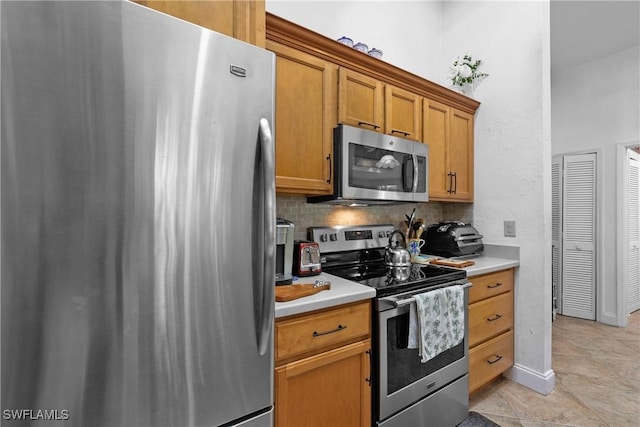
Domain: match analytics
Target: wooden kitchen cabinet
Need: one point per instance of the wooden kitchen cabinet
(370, 104)
(402, 113)
(490, 327)
(305, 100)
(323, 372)
(358, 90)
(449, 133)
(241, 19)
(360, 100)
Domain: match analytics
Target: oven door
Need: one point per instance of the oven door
(402, 378)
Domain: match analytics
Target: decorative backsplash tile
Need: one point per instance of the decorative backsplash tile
(295, 208)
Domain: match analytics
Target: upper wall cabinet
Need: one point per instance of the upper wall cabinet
(321, 83)
(402, 113)
(449, 134)
(241, 19)
(360, 100)
(305, 102)
(368, 103)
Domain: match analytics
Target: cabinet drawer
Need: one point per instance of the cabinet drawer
(489, 360)
(490, 317)
(489, 285)
(316, 331)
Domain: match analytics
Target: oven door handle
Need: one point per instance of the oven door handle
(409, 300)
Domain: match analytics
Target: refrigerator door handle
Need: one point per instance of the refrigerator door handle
(266, 305)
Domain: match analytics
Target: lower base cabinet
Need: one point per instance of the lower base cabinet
(329, 389)
(489, 360)
(323, 368)
(490, 327)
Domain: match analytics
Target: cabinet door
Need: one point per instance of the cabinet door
(461, 154)
(360, 101)
(244, 20)
(304, 123)
(436, 135)
(329, 389)
(402, 113)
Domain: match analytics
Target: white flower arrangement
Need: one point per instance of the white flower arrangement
(465, 71)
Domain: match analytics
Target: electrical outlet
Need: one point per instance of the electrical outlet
(509, 229)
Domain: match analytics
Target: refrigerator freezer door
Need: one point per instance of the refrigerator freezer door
(133, 163)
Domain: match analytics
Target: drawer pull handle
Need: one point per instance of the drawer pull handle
(401, 132)
(373, 125)
(338, 329)
(491, 319)
(497, 285)
(496, 360)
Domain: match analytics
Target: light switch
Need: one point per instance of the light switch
(509, 229)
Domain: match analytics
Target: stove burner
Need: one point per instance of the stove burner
(357, 253)
(385, 279)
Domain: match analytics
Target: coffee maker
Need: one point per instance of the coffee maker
(285, 230)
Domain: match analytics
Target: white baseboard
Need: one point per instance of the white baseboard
(611, 319)
(541, 383)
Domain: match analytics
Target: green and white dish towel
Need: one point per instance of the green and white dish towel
(437, 322)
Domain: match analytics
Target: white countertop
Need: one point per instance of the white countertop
(342, 292)
(486, 264)
(345, 291)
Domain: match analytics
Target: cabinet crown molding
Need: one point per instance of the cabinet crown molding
(290, 34)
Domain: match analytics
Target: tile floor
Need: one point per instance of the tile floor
(597, 370)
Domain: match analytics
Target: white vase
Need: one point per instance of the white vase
(466, 90)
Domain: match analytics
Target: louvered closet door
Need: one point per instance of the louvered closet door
(633, 299)
(556, 234)
(579, 231)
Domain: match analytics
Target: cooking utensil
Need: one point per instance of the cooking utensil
(413, 214)
(416, 227)
(396, 255)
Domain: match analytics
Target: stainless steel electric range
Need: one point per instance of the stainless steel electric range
(405, 390)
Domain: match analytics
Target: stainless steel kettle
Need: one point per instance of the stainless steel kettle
(396, 255)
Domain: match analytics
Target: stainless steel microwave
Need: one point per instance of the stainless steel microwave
(372, 168)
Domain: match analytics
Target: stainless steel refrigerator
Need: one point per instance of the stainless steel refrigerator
(138, 219)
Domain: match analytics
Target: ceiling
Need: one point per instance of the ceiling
(584, 30)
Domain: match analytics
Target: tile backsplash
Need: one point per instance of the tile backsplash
(295, 208)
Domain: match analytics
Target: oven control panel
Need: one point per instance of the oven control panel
(351, 237)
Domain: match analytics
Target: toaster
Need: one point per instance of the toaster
(306, 258)
(451, 239)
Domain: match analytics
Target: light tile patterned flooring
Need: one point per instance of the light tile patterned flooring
(597, 370)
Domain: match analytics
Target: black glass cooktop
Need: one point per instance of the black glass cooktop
(383, 278)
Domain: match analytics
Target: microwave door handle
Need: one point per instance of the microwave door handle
(415, 173)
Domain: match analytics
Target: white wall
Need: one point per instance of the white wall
(408, 32)
(595, 107)
(512, 129)
(513, 156)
